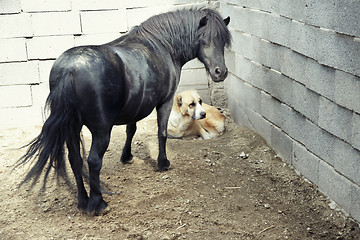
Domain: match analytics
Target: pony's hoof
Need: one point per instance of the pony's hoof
(127, 160)
(164, 165)
(98, 208)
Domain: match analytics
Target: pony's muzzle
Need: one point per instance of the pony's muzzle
(220, 74)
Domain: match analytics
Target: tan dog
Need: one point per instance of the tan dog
(190, 117)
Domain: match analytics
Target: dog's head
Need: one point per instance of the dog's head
(189, 103)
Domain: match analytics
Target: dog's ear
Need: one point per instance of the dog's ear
(179, 100)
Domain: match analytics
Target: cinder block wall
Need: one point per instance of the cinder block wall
(34, 33)
(295, 79)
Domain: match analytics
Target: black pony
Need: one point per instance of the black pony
(121, 82)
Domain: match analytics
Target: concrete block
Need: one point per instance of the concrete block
(318, 141)
(335, 186)
(19, 73)
(15, 25)
(340, 16)
(46, 5)
(48, 47)
(335, 119)
(252, 97)
(103, 21)
(305, 162)
(271, 109)
(238, 113)
(15, 96)
(355, 131)
(62, 23)
(306, 101)
(347, 89)
(320, 78)
(337, 50)
(260, 125)
(193, 77)
(355, 202)
(13, 50)
(293, 123)
(293, 65)
(282, 144)
(235, 89)
(278, 85)
(303, 39)
(347, 161)
(10, 7)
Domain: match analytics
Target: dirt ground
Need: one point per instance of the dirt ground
(211, 191)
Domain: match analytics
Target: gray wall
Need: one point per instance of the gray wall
(34, 33)
(295, 68)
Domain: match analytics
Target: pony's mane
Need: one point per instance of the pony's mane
(179, 30)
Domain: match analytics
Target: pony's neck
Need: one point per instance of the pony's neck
(176, 33)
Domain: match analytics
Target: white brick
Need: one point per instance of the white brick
(97, 5)
(15, 96)
(39, 94)
(17, 25)
(55, 23)
(46, 5)
(48, 47)
(12, 50)
(103, 21)
(139, 15)
(12, 6)
(193, 77)
(19, 73)
(195, 63)
(44, 70)
(18, 117)
(96, 39)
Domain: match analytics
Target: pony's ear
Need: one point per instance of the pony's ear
(203, 21)
(227, 20)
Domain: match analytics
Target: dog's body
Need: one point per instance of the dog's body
(190, 117)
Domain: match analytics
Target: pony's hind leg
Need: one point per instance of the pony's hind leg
(126, 156)
(76, 163)
(100, 142)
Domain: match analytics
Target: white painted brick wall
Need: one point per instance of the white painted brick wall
(13, 50)
(34, 33)
(304, 60)
(62, 23)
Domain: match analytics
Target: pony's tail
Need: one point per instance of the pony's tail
(63, 125)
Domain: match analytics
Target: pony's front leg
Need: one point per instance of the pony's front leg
(163, 113)
(100, 143)
(126, 156)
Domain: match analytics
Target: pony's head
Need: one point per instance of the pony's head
(213, 36)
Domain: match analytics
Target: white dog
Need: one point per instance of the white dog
(190, 117)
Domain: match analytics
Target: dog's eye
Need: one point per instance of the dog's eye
(192, 104)
(200, 102)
